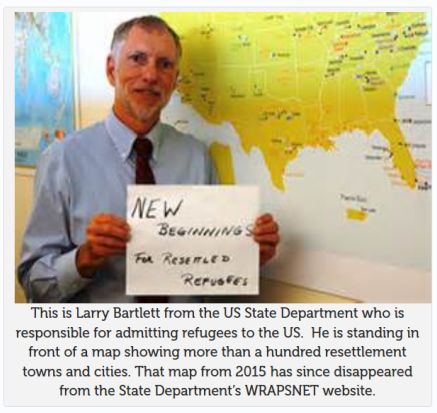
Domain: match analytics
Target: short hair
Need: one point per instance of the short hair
(146, 22)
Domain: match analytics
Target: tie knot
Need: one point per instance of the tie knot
(143, 147)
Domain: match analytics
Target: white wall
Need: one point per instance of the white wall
(93, 35)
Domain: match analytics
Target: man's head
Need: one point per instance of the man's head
(143, 68)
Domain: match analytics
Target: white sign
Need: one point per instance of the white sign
(192, 240)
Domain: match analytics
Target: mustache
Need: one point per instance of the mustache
(148, 89)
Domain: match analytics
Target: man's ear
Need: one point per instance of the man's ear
(110, 68)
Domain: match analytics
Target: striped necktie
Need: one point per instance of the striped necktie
(143, 172)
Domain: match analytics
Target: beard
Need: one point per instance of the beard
(140, 106)
(143, 111)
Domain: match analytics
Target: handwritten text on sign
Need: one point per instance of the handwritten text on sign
(192, 240)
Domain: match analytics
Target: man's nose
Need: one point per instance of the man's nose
(150, 72)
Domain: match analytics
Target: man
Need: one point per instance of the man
(75, 242)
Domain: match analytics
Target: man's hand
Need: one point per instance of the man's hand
(106, 236)
(266, 234)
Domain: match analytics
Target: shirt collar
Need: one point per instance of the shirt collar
(123, 137)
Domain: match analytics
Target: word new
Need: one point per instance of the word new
(145, 208)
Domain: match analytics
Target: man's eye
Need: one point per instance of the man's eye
(167, 64)
(138, 58)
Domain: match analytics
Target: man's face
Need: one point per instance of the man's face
(143, 71)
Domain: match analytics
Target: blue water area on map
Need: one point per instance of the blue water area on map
(44, 88)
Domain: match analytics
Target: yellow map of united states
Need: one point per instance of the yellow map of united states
(287, 81)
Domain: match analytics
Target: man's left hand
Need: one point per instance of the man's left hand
(266, 234)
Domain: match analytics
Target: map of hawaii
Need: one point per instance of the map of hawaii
(288, 81)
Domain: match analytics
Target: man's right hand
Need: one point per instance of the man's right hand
(106, 236)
